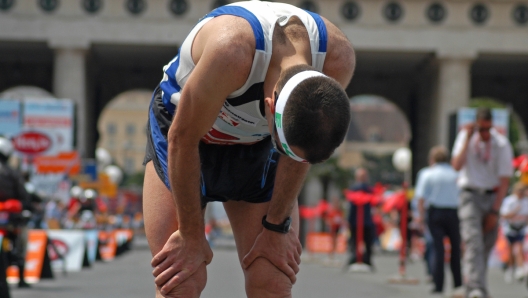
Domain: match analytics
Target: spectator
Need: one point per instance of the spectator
(12, 187)
(514, 212)
(361, 184)
(56, 213)
(419, 223)
(437, 186)
(484, 158)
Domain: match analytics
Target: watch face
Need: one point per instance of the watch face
(287, 224)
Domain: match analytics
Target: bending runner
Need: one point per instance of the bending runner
(254, 96)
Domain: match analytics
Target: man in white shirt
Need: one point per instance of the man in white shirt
(484, 159)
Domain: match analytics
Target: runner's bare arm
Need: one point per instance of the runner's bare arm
(340, 61)
(282, 250)
(339, 64)
(223, 66)
(288, 183)
(223, 53)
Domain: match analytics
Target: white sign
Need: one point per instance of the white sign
(68, 244)
(55, 118)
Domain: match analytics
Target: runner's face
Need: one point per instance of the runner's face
(483, 128)
(272, 102)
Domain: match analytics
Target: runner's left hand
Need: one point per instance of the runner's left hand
(282, 250)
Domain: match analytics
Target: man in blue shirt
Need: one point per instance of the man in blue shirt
(437, 189)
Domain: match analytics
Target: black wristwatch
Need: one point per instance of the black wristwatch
(283, 228)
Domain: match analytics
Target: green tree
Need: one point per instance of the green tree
(135, 179)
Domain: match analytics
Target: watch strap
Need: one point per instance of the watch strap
(283, 228)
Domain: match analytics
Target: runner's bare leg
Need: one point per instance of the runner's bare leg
(263, 279)
(160, 218)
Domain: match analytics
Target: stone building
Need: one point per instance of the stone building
(429, 57)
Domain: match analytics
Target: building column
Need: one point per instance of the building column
(453, 89)
(69, 81)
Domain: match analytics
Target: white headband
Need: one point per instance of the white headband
(281, 104)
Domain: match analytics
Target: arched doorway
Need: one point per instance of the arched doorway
(377, 128)
(122, 129)
(22, 92)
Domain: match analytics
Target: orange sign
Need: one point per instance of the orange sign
(107, 245)
(65, 162)
(322, 243)
(36, 248)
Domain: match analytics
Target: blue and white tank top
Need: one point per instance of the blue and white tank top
(240, 120)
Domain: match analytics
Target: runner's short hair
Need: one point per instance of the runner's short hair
(484, 114)
(316, 116)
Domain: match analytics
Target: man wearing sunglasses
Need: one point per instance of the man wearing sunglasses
(254, 96)
(484, 158)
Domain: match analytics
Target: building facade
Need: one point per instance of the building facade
(122, 128)
(427, 57)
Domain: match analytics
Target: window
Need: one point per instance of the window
(130, 129)
(129, 165)
(111, 129)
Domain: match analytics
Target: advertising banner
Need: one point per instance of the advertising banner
(66, 249)
(501, 118)
(55, 118)
(63, 163)
(10, 123)
(108, 245)
(33, 142)
(36, 249)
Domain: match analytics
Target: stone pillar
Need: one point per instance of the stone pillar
(69, 81)
(453, 88)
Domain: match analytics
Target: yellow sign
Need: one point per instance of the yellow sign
(524, 178)
(103, 186)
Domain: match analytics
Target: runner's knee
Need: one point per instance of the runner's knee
(263, 279)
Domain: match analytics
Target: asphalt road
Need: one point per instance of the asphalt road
(130, 276)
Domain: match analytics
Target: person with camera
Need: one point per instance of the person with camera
(483, 157)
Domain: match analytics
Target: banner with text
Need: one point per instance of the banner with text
(55, 118)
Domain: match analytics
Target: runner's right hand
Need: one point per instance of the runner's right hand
(180, 257)
(470, 128)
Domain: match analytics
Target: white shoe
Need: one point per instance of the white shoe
(508, 276)
(519, 273)
(476, 293)
(459, 292)
(360, 267)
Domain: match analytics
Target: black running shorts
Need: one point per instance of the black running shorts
(228, 172)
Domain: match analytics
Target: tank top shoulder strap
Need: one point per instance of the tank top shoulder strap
(318, 39)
